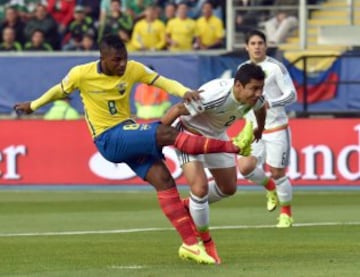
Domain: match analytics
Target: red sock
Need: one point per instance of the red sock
(193, 144)
(174, 210)
(205, 236)
(286, 210)
(270, 185)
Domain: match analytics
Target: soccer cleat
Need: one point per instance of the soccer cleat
(244, 139)
(285, 221)
(272, 200)
(210, 248)
(186, 206)
(195, 252)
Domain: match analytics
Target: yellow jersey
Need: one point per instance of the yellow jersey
(106, 99)
(209, 30)
(181, 31)
(151, 35)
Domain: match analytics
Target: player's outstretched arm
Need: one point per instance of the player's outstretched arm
(51, 95)
(174, 112)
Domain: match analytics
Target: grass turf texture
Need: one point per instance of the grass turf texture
(249, 247)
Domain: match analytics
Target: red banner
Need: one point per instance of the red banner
(325, 152)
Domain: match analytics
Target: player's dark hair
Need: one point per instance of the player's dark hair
(254, 32)
(249, 71)
(112, 41)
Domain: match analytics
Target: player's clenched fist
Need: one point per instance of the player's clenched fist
(23, 108)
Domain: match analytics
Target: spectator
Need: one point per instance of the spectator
(81, 25)
(13, 20)
(9, 43)
(46, 23)
(136, 8)
(92, 8)
(151, 102)
(118, 22)
(282, 24)
(149, 33)
(62, 11)
(26, 8)
(37, 42)
(169, 12)
(88, 43)
(247, 20)
(209, 29)
(62, 110)
(180, 31)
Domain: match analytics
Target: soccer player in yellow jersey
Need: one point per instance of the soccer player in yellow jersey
(180, 31)
(105, 87)
(148, 33)
(209, 29)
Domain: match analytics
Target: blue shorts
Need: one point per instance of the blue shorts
(131, 143)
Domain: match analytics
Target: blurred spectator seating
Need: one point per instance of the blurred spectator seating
(46, 23)
(118, 22)
(282, 23)
(62, 11)
(80, 26)
(26, 8)
(92, 8)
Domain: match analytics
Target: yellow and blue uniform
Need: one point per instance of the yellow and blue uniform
(106, 102)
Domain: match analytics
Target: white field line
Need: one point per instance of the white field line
(137, 230)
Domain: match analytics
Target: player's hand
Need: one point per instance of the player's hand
(192, 95)
(257, 134)
(23, 108)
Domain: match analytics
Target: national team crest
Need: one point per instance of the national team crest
(121, 88)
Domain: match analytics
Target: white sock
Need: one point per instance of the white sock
(199, 210)
(258, 177)
(284, 190)
(214, 193)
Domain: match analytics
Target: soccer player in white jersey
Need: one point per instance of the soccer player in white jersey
(274, 146)
(223, 101)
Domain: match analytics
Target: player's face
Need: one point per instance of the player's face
(114, 62)
(250, 93)
(256, 49)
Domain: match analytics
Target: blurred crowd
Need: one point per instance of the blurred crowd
(78, 25)
(145, 25)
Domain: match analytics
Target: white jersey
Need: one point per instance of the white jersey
(220, 109)
(279, 92)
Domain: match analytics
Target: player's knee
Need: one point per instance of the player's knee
(199, 190)
(229, 188)
(247, 165)
(277, 174)
(166, 135)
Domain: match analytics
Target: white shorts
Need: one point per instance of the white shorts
(273, 148)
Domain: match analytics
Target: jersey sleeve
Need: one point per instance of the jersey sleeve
(286, 86)
(71, 81)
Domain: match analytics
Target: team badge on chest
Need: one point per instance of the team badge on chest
(121, 87)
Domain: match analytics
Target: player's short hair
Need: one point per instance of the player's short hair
(249, 71)
(112, 41)
(254, 32)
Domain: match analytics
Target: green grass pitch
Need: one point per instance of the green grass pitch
(118, 233)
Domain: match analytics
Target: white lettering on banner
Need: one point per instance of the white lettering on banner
(344, 155)
(11, 161)
(311, 153)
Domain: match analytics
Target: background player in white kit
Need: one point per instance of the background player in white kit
(274, 146)
(223, 101)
